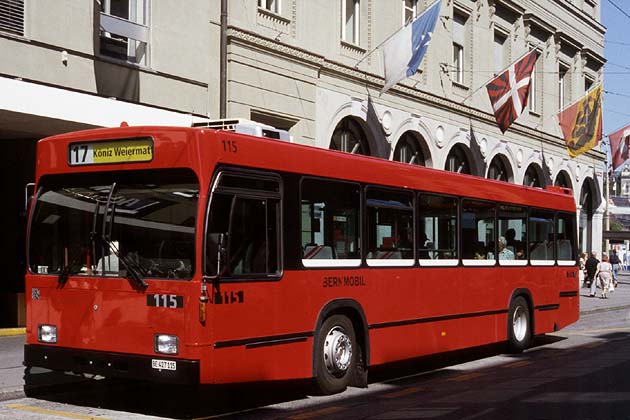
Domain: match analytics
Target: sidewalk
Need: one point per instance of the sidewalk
(619, 299)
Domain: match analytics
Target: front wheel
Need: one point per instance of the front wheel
(519, 325)
(335, 354)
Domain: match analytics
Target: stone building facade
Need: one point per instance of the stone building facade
(305, 66)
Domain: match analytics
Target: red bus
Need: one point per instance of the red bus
(196, 256)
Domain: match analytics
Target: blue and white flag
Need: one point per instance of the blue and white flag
(404, 51)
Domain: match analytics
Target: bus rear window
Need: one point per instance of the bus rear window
(84, 224)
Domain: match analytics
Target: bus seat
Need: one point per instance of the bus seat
(318, 252)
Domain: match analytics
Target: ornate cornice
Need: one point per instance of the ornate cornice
(336, 69)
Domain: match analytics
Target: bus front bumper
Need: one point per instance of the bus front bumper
(118, 365)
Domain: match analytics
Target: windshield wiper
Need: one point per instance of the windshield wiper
(133, 269)
(67, 271)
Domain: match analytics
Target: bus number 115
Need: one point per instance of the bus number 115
(165, 301)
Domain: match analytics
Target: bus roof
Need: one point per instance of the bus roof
(202, 148)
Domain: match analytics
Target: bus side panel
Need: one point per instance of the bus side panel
(254, 337)
(265, 363)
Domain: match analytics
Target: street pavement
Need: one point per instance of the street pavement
(11, 340)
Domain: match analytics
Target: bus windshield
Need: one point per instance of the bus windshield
(115, 224)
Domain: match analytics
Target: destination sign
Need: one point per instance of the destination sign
(115, 151)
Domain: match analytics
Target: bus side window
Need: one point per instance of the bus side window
(437, 236)
(478, 230)
(513, 228)
(246, 209)
(566, 250)
(541, 236)
(330, 227)
(389, 224)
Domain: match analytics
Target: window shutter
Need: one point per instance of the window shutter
(12, 16)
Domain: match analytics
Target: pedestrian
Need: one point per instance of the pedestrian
(605, 275)
(591, 269)
(615, 262)
(582, 272)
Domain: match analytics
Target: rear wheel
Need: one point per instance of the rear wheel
(519, 325)
(335, 355)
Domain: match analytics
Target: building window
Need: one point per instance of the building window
(124, 30)
(410, 10)
(498, 170)
(588, 83)
(533, 177)
(350, 13)
(408, 150)
(271, 5)
(457, 161)
(535, 86)
(563, 86)
(458, 63)
(12, 16)
(459, 40)
(349, 137)
(500, 52)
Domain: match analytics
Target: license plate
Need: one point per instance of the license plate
(163, 364)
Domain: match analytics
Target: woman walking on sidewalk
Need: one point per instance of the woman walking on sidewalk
(605, 273)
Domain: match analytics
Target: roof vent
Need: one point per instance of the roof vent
(239, 125)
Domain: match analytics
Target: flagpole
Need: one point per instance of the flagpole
(411, 19)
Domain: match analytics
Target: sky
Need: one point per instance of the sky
(617, 67)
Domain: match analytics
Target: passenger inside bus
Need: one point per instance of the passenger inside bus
(504, 252)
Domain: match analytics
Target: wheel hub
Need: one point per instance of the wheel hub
(519, 324)
(337, 351)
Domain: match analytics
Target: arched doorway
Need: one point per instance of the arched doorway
(457, 160)
(534, 176)
(409, 150)
(499, 169)
(563, 180)
(350, 137)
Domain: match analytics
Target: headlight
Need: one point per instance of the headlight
(166, 344)
(47, 333)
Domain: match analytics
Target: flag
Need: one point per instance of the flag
(479, 157)
(545, 170)
(581, 123)
(403, 52)
(509, 91)
(374, 122)
(619, 145)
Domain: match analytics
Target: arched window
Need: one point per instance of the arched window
(457, 161)
(498, 170)
(563, 180)
(349, 137)
(533, 176)
(408, 150)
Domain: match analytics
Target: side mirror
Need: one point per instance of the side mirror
(29, 190)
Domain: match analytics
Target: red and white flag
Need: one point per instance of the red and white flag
(619, 146)
(509, 90)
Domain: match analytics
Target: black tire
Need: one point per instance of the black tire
(519, 325)
(333, 374)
